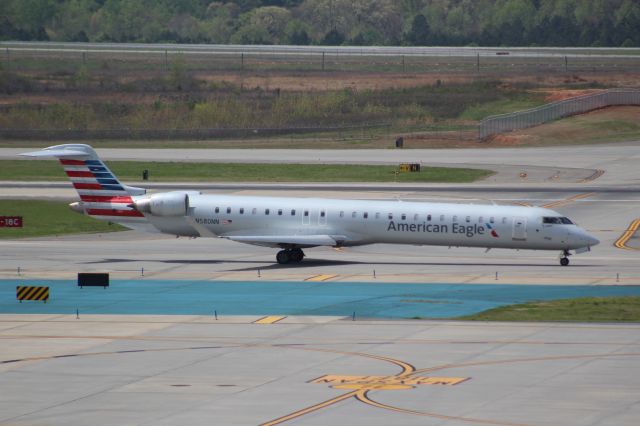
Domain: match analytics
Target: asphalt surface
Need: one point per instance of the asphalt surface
(103, 369)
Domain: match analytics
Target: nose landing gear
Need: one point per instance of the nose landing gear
(289, 255)
(564, 258)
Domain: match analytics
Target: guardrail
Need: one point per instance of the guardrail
(556, 110)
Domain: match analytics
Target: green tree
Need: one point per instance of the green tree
(419, 34)
(333, 38)
(31, 17)
(72, 20)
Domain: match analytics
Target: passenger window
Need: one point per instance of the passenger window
(390, 216)
(293, 212)
(480, 219)
(415, 216)
(279, 212)
(228, 210)
(504, 220)
(306, 213)
(322, 214)
(491, 219)
(441, 218)
(468, 219)
(254, 210)
(241, 210)
(455, 218)
(342, 213)
(353, 214)
(365, 215)
(403, 217)
(377, 215)
(217, 210)
(266, 212)
(428, 218)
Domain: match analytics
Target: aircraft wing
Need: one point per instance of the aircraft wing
(284, 241)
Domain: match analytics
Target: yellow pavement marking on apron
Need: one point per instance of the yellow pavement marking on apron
(621, 242)
(323, 277)
(270, 319)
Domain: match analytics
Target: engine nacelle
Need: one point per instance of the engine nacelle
(175, 203)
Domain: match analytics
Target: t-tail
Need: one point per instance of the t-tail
(102, 195)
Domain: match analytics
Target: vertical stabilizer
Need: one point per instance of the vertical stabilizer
(102, 195)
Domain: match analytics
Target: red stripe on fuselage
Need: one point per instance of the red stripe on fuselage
(87, 185)
(111, 212)
(72, 162)
(106, 199)
(79, 174)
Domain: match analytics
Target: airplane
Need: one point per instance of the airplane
(293, 224)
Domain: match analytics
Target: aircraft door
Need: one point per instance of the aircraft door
(519, 229)
(322, 217)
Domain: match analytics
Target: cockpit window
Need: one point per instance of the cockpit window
(556, 220)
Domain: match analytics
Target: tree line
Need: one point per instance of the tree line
(609, 23)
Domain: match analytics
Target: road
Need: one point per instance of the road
(270, 50)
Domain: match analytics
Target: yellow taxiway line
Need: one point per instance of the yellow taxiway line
(568, 200)
(621, 242)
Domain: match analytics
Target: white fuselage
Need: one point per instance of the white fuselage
(358, 222)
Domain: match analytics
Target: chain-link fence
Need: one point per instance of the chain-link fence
(553, 111)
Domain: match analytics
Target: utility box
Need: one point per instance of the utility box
(90, 279)
(400, 142)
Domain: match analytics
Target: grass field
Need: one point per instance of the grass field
(613, 124)
(25, 170)
(588, 309)
(49, 218)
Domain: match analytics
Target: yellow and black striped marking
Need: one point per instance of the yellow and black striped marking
(32, 293)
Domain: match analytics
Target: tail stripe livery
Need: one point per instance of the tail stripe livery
(102, 196)
(100, 191)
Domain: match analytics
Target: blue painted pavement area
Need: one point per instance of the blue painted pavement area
(367, 300)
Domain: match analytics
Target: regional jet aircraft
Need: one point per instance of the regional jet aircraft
(293, 224)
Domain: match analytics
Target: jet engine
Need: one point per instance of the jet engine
(175, 203)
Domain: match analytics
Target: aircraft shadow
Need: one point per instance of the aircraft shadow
(313, 263)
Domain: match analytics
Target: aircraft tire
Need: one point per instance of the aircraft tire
(297, 255)
(283, 257)
(564, 261)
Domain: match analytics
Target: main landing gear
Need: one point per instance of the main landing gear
(289, 255)
(564, 258)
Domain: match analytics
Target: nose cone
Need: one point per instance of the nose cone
(581, 239)
(593, 241)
